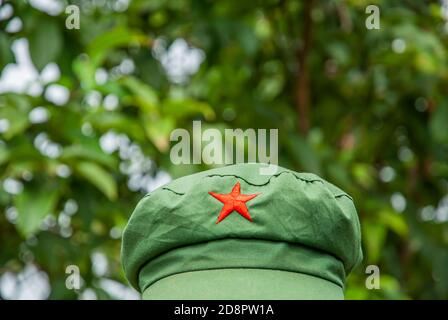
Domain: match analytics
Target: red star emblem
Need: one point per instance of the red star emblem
(234, 201)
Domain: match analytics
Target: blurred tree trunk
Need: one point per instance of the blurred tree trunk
(303, 84)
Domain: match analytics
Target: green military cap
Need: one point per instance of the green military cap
(233, 233)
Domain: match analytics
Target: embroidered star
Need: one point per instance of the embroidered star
(234, 201)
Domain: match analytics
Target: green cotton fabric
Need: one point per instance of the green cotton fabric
(301, 223)
(243, 253)
(243, 284)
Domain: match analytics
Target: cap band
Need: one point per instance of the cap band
(243, 253)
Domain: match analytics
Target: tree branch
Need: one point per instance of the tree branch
(303, 85)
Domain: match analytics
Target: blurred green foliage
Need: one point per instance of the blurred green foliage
(377, 114)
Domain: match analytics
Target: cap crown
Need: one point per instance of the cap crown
(299, 209)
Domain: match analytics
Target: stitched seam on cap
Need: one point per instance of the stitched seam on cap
(245, 180)
(263, 184)
(175, 192)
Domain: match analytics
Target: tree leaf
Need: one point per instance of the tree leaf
(45, 43)
(118, 122)
(158, 131)
(145, 96)
(438, 124)
(17, 121)
(374, 235)
(304, 154)
(85, 71)
(117, 37)
(33, 204)
(78, 152)
(6, 55)
(99, 177)
(394, 221)
(183, 107)
(4, 154)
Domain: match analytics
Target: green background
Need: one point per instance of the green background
(365, 109)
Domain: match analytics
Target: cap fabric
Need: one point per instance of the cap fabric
(231, 233)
